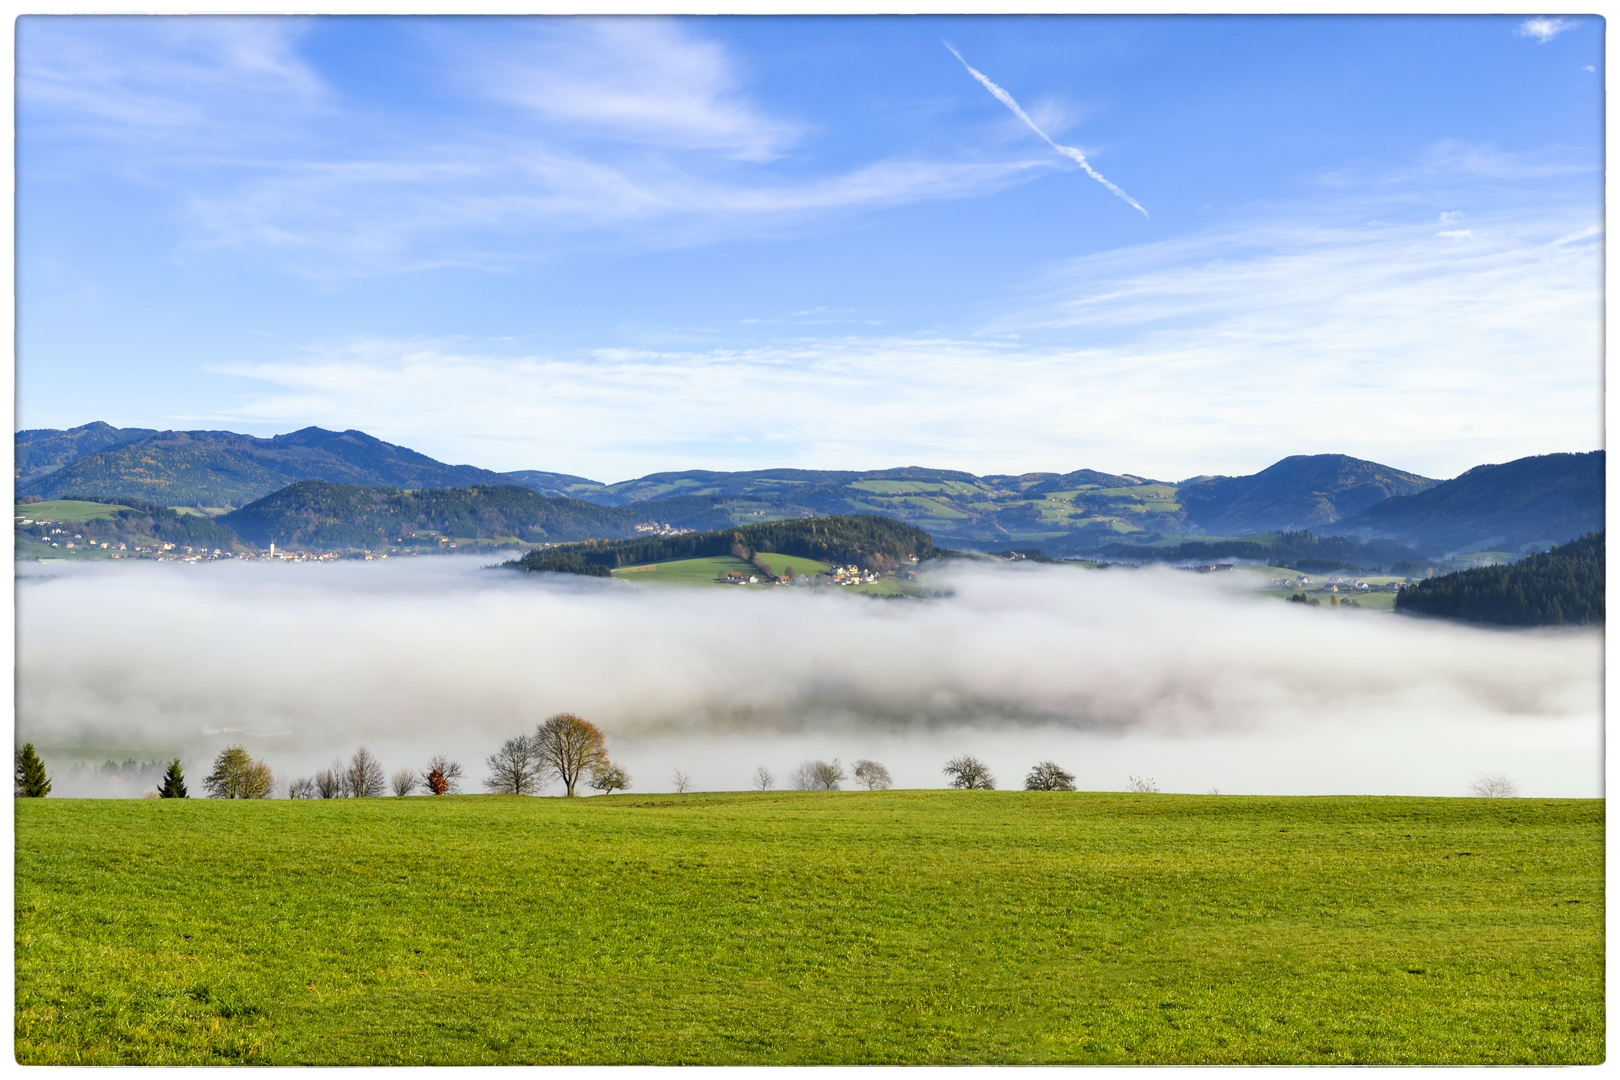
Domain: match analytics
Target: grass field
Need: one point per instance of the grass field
(71, 511)
(778, 563)
(686, 571)
(913, 926)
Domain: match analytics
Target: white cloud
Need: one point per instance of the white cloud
(136, 78)
(1543, 28)
(628, 130)
(1221, 352)
(644, 80)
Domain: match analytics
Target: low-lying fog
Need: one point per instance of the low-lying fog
(1154, 673)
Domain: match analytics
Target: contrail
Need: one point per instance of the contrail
(1067, 151)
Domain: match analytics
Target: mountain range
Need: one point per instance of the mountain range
(1528, 503)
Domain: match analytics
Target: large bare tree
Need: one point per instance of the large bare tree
(365, 775)
(568, 747)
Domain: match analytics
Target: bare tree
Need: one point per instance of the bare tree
(450, 775)
(365, 775)
(967, 771)
(873, 775)
(682, 782)
(611, 779)
(1049, 776)
(1145, 785)
(568, 747)
(330, 783)
(513, 769)
(1494, 786)
(763, 780)
(817, 775)
(238, 776)
(404, 782)
(301, 788)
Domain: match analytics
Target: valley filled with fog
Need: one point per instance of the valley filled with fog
(1154, 673)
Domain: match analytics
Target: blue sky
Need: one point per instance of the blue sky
(616, 246)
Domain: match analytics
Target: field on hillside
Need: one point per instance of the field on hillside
(796, 927)
(71, 511)
(687, 571)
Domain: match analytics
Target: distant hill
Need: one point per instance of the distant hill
(42, 451)
(863, 539)
(1532, 501)
(218, 468)
(319, 515)
(1561, 587)
(1306, 491)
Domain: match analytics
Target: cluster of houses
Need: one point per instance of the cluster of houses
(658, 528)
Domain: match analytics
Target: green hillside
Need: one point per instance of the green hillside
(315, 514)
(1561, 587)
(781, 928)
(864, 540)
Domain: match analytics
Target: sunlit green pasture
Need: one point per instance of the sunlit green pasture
(778, 564)
(687, 571)
(70, 511)
(797, 927)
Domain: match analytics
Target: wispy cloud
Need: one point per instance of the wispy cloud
(1067, 151)
(137, 77)
(544, 132)
(642, 80)
(1544, 28)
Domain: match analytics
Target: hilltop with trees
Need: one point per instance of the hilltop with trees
(866, 540)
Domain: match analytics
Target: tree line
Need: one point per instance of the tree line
(1561, 587)
(562, 748)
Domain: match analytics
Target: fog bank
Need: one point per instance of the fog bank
(1155, 673)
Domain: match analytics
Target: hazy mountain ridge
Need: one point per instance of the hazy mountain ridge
(219, 468)
(1298, 492)
(1077, 512)
(1533, 501)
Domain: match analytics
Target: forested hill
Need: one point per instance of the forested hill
(1561, 587)
(1539, 500)
(316, 515)
(218, 468)
(864, 539)
(1306, 491)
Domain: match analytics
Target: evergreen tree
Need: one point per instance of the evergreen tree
(174, 784)
(32, 783)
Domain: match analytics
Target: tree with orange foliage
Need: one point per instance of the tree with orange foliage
(568, 747)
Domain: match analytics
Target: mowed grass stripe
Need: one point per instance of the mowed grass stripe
(913, 926)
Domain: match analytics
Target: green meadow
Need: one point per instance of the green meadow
(797, 927)
(68, 511)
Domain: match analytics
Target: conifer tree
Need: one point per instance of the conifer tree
(174, 783)
(32, 783)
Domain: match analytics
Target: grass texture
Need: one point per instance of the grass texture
(800, 927)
